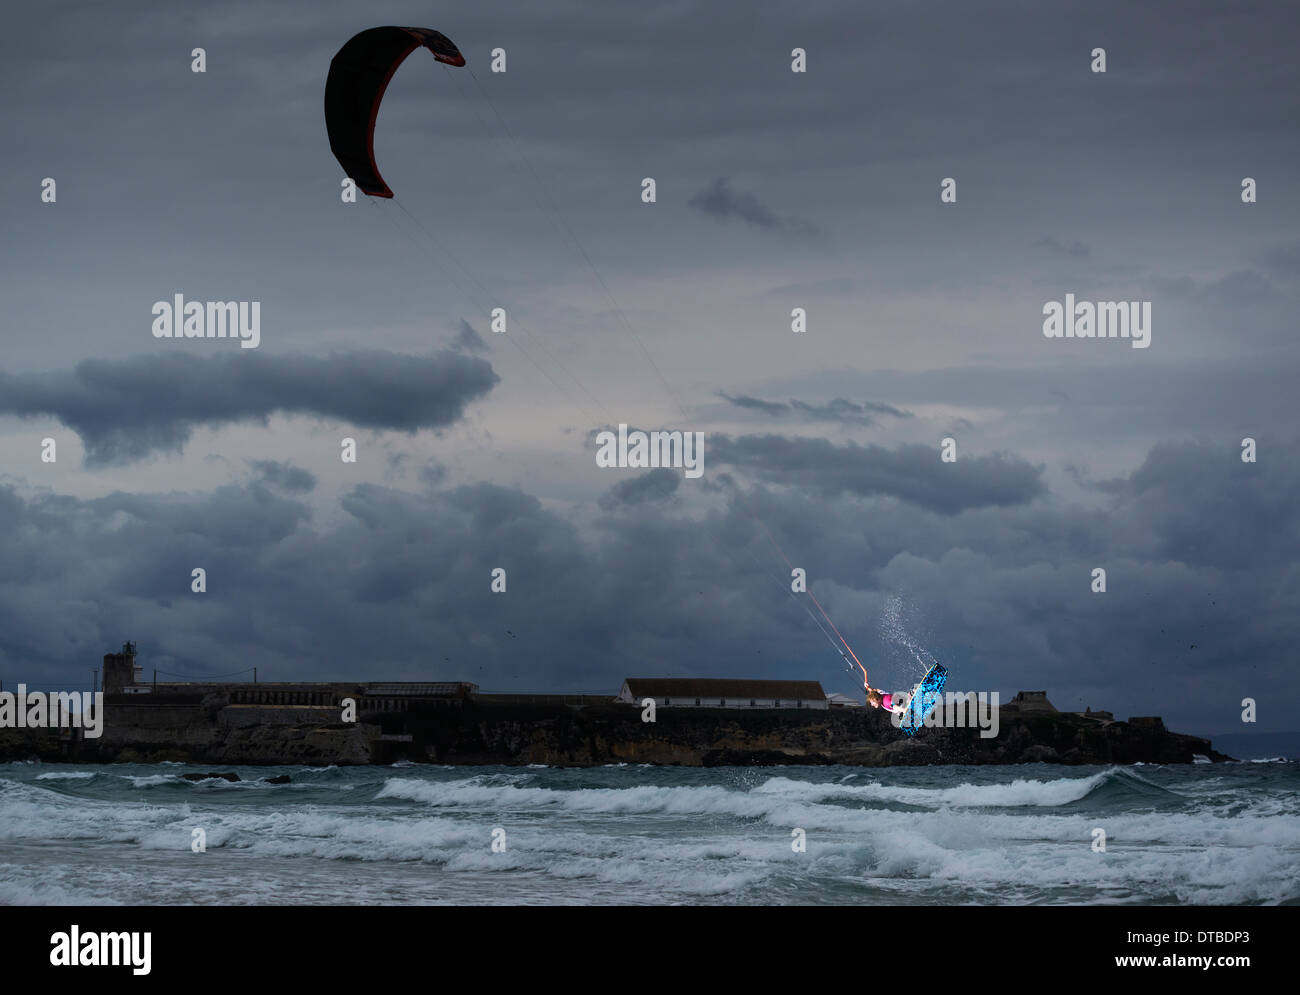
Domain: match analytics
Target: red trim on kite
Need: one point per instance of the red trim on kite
(374, 113)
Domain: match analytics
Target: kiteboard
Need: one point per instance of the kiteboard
(924, 697)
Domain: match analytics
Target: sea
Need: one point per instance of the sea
(630, 835)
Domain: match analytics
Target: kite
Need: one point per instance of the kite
(358, 77)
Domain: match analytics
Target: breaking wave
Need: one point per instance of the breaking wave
(953, 835)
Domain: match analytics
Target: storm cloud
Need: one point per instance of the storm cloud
(1001, 593)
(838, 409)
(756, 404)
(468, 339)
(125, 410)
(910, 473)
(285, 476)
(656, 485)
(723, 201)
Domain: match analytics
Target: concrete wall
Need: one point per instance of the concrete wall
(702, 702)
(239, 716)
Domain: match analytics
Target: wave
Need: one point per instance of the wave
(1020, 793)
(17, 890)
(648, 799)
(1023, 840)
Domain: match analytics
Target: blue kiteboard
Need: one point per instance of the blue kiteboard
(924, 697)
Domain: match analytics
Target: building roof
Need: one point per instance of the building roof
(717, 687)
(442, 689)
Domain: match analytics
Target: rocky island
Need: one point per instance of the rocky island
(694, 722)
(214, 726)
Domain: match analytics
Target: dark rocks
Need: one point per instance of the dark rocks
(761, 758)
(228, 776)
(514, 732)
(911, 752)
(278, 779)
(1039, 754)
(600, 734)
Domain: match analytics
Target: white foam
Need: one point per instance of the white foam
(968, 842)
(1019, 793)
(151, 780)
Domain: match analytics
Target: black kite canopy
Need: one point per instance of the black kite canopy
(358, 77)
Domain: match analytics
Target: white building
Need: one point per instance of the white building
(713, 692)
(842, 701)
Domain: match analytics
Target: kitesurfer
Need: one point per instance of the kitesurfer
(890, 702)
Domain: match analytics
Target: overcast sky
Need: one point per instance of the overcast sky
(775, 190)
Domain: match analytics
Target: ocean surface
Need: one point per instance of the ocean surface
(1212, 834)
